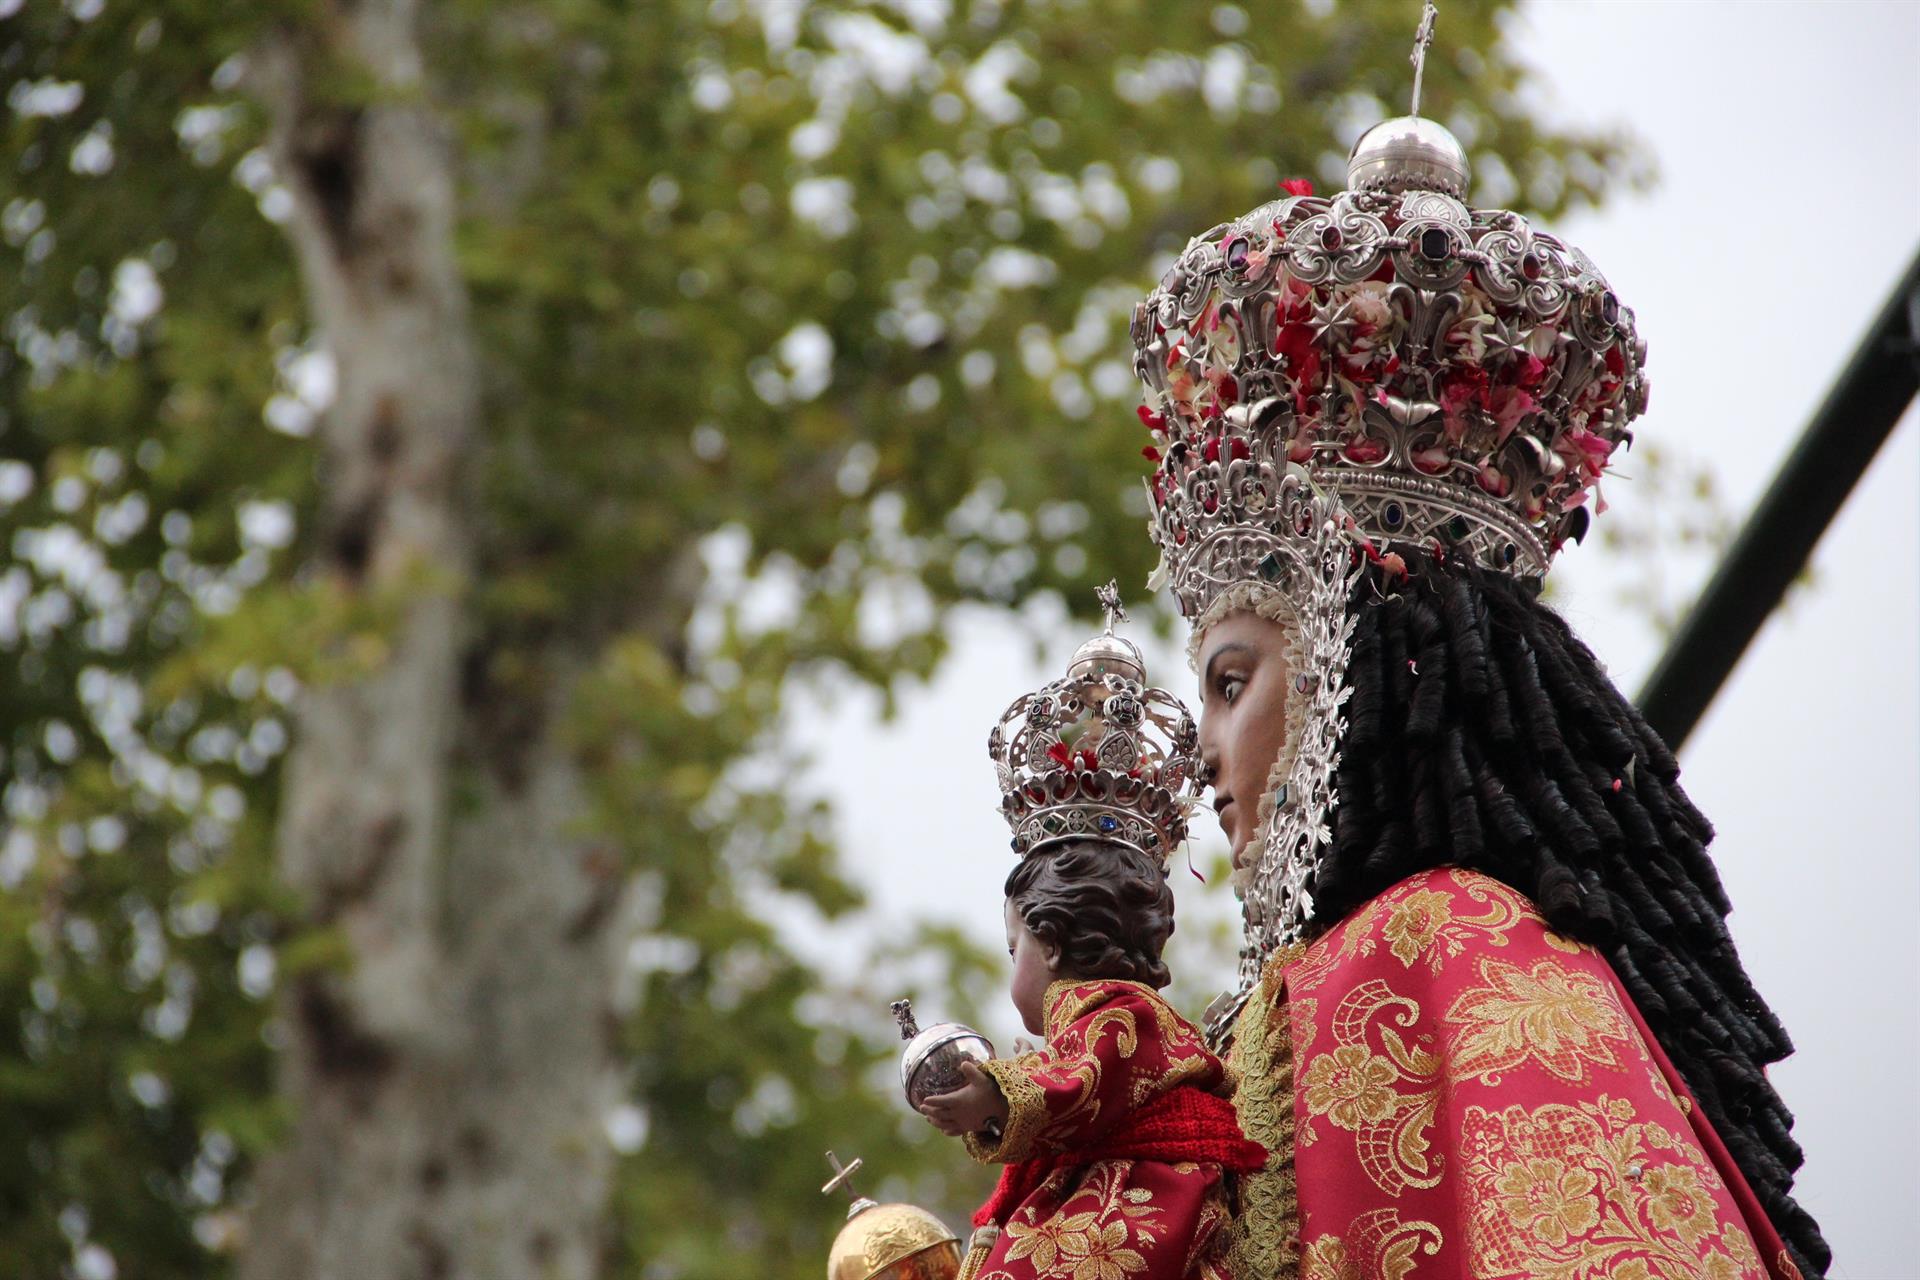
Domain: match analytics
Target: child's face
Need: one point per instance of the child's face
(1035, 966)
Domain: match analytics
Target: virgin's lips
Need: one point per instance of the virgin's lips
(1220, 805)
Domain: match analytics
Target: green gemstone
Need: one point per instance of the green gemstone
(1270, 567)
(1457, 528)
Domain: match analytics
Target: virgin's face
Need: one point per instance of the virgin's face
(1035, 966)
(1244, 679)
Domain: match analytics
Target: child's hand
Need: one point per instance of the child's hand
(969, 1108)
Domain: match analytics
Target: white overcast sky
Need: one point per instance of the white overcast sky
(1788, 142)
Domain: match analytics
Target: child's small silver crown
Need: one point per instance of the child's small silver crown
(1098, 754)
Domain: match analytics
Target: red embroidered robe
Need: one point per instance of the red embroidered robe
(1463, 1092)
(1114, 1049)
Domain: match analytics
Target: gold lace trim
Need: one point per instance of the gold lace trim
(1266, 1234)
(1026, 1112)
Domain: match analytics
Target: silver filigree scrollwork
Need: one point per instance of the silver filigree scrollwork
(1308, 556)
(1509, 358)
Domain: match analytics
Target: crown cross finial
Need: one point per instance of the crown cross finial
(1109, 598)
(842, 1179)
(1422, 40)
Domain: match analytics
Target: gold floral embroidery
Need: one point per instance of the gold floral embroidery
(1549, 1199)
(1094, 1242)
(1072, 1051)
(1414, 922)
(1351, 1086)
(1208, 1254)
(1378, 1245)
(1095, 1250)
(1662, 1089)
(1592, 1192)
(1380, 1086)
(1558, 1017)
(1327, 1259)
(1067, 1001)
(1677, 1202)
(1068, 1058)
(1423, 921)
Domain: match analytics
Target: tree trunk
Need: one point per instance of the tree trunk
(447, 1088)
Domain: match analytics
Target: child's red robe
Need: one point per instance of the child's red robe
(1117, 1138)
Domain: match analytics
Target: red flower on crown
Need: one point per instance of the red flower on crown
(1067, 758)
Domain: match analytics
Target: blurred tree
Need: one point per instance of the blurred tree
(434, 434)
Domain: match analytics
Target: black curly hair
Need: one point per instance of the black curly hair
(1483, 733)
(1107, 906)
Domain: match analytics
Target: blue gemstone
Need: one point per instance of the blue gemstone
(1109, 824)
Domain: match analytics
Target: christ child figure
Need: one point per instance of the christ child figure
(1118, 1137)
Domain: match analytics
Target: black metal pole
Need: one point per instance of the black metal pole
(1858, 415)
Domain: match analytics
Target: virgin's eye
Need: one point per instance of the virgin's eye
(1230, 687)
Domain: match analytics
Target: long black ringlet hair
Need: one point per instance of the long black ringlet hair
(1483, 733)
(1106, 905)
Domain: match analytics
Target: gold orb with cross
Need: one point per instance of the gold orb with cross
(888, 1241)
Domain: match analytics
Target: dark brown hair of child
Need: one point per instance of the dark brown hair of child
(1106, 905)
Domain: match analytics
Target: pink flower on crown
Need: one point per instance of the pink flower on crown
(1295, 298)
(1462, 388)
(1369, 302)
(1508, 405)
(1223, 343)
(1586, 454)
(1182, 389)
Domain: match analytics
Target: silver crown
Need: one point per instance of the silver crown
(1098, 753)
(1337, 381)
(1459, 379)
